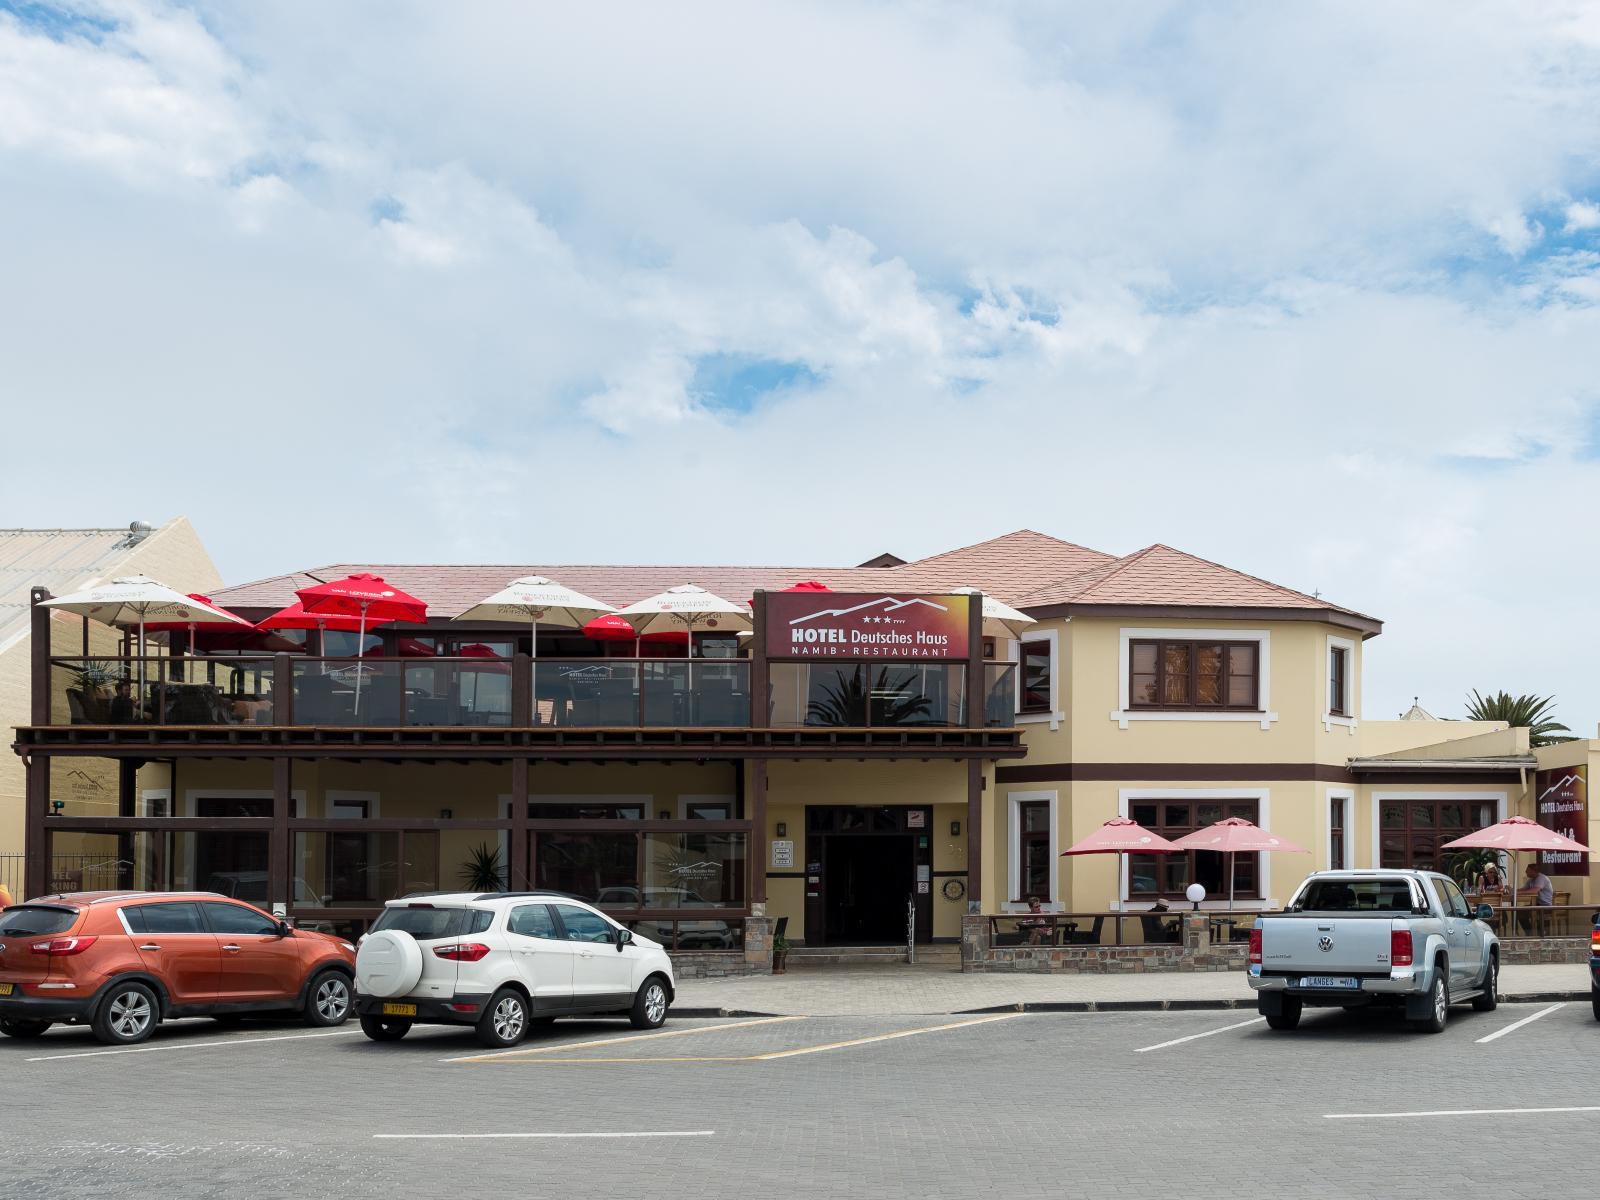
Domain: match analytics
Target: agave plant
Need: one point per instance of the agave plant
(93, 676)
(1534, 713)
(482, 872)
(853, 700)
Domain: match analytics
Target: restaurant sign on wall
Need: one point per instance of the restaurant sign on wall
(865, 625)
(1563, 805)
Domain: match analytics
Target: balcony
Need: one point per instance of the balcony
(489, 693)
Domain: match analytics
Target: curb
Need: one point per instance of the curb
(722, 1012)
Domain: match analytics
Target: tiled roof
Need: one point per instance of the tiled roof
(1161, 575)
(63, 560)
(1007, 567)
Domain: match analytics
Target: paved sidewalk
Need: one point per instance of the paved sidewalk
(875, 990)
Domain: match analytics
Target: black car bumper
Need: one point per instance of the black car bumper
(462, 1009)
(49, 1007)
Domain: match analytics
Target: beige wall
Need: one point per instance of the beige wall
(174, 555)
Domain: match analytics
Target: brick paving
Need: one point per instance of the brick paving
(900, 988)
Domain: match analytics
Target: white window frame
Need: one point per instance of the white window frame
(348, 796)
(1263, 799)
(1014, 803)
(1263, 715)
(1347, 796)
(1329, 718)
(297, 797)
(1377, 798)
(685, 799)
(1055, 715)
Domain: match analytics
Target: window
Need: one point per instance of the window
(427, 923)
(1336, 852)
(533, 920)
(1152, 875)
(1036, 676)
(584, 926)
(165, 918)
(236, 919)
(1193, 675)
(1411, 829)
(1338, 681)
(1033, 849)
(30, 921)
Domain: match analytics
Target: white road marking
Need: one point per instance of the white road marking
(611, 1041)
(1460, 1112)
(1196, 1036)
(212, 1045)
(409, 1137)
(1514, 1026)
(883, 1037)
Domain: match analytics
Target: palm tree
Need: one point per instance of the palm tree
(1535, 713)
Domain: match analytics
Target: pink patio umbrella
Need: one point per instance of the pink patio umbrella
(366, 597)
(1513, 834)
(1235, 835)
(1121, 835)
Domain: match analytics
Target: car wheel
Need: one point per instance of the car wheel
(328, 999)
(1438, 1003)
(1288, 1017)
(128, 1014)
(24, 1029)
(650, 1005)
(1489, 999)
(1594, 999)
(384, 1029)
(505, 1019)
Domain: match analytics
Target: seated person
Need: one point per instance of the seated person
(122, 711)
(1038, 925)
(1537, 892)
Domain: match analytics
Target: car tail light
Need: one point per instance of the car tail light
(1594, 941)
(1255, 947)
(1400, 947)
(63, 946)
(462, 951)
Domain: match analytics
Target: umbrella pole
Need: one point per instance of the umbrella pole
(533, 669)
(361, 645)
(140, 705)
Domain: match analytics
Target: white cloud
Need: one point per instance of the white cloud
(448, 262)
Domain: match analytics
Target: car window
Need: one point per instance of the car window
(236, 918)
(1454, 900)
(426, 923)
(584, 926)
(181, 916)
(1354, 895)
(533, 920)
(25, 920)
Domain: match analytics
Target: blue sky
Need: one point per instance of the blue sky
(1313, 291)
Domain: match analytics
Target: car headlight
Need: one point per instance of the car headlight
(348, 947)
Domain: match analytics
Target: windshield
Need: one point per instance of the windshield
(29, 921)
(1354, 895)
(428, 924)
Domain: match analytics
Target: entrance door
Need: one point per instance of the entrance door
(867, 880)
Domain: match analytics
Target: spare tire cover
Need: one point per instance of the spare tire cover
(389, 963)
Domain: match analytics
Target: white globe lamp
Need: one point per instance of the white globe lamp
(1196, 893)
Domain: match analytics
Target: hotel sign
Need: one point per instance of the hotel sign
(866, 625)
(1562, 802)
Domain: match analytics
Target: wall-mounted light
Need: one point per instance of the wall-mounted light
(955, 828)
(783, 829)
(446, 813)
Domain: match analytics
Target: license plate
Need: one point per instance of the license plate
(1330, 981)
(5, 989)
(399, 1010)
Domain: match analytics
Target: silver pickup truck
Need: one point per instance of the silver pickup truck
(1353, 938)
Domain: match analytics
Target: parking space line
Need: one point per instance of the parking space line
(664, 1133)
(211, 1045)
(1460, 1112)
(1197, 1036)
(611, 1041)
(1516, 1025)
(884, 1037)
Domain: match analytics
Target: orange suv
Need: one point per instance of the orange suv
(123, 962)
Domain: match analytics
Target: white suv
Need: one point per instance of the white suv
(500, 962)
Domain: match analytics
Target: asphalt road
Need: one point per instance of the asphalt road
(1138, 1104)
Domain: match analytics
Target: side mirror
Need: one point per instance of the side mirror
(1485, 913)
(624, 936)
(285, 929)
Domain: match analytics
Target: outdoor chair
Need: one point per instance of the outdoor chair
(75, 707)
(1089, 937)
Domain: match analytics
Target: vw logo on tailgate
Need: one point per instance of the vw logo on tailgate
(1325, 943)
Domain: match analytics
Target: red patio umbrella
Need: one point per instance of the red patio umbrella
(1235, 835)
(1121, 835)
(206, 615)
(1513, 834)
(611, 628)
(364, 596)
(296, 617)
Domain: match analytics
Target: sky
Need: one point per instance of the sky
(1311, 290)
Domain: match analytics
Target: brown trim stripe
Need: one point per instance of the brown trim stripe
(1234, 772)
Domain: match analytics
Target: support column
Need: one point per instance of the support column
(36, 866)
(757, 793)
(760, 669)
(519, 874)
(280, 843)
(974, 835)
(39, 645)
(976, 716)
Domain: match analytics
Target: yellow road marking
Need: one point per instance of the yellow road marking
(769, 1056)
(611, 1041)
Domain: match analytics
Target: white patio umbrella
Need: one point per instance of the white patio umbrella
(688, 607)
(999, 620)
(534, 598)
(133, 600)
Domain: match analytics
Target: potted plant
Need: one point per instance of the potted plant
(93, 680)
(482, 871)
(780, 954)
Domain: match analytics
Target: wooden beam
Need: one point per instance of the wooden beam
(758, 831)
(519, 871)
(974, 834)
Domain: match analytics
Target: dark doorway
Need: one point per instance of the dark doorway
(868, 878)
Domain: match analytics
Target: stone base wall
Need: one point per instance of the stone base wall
(1194, 954)
(754, 959)
(1524, 951)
